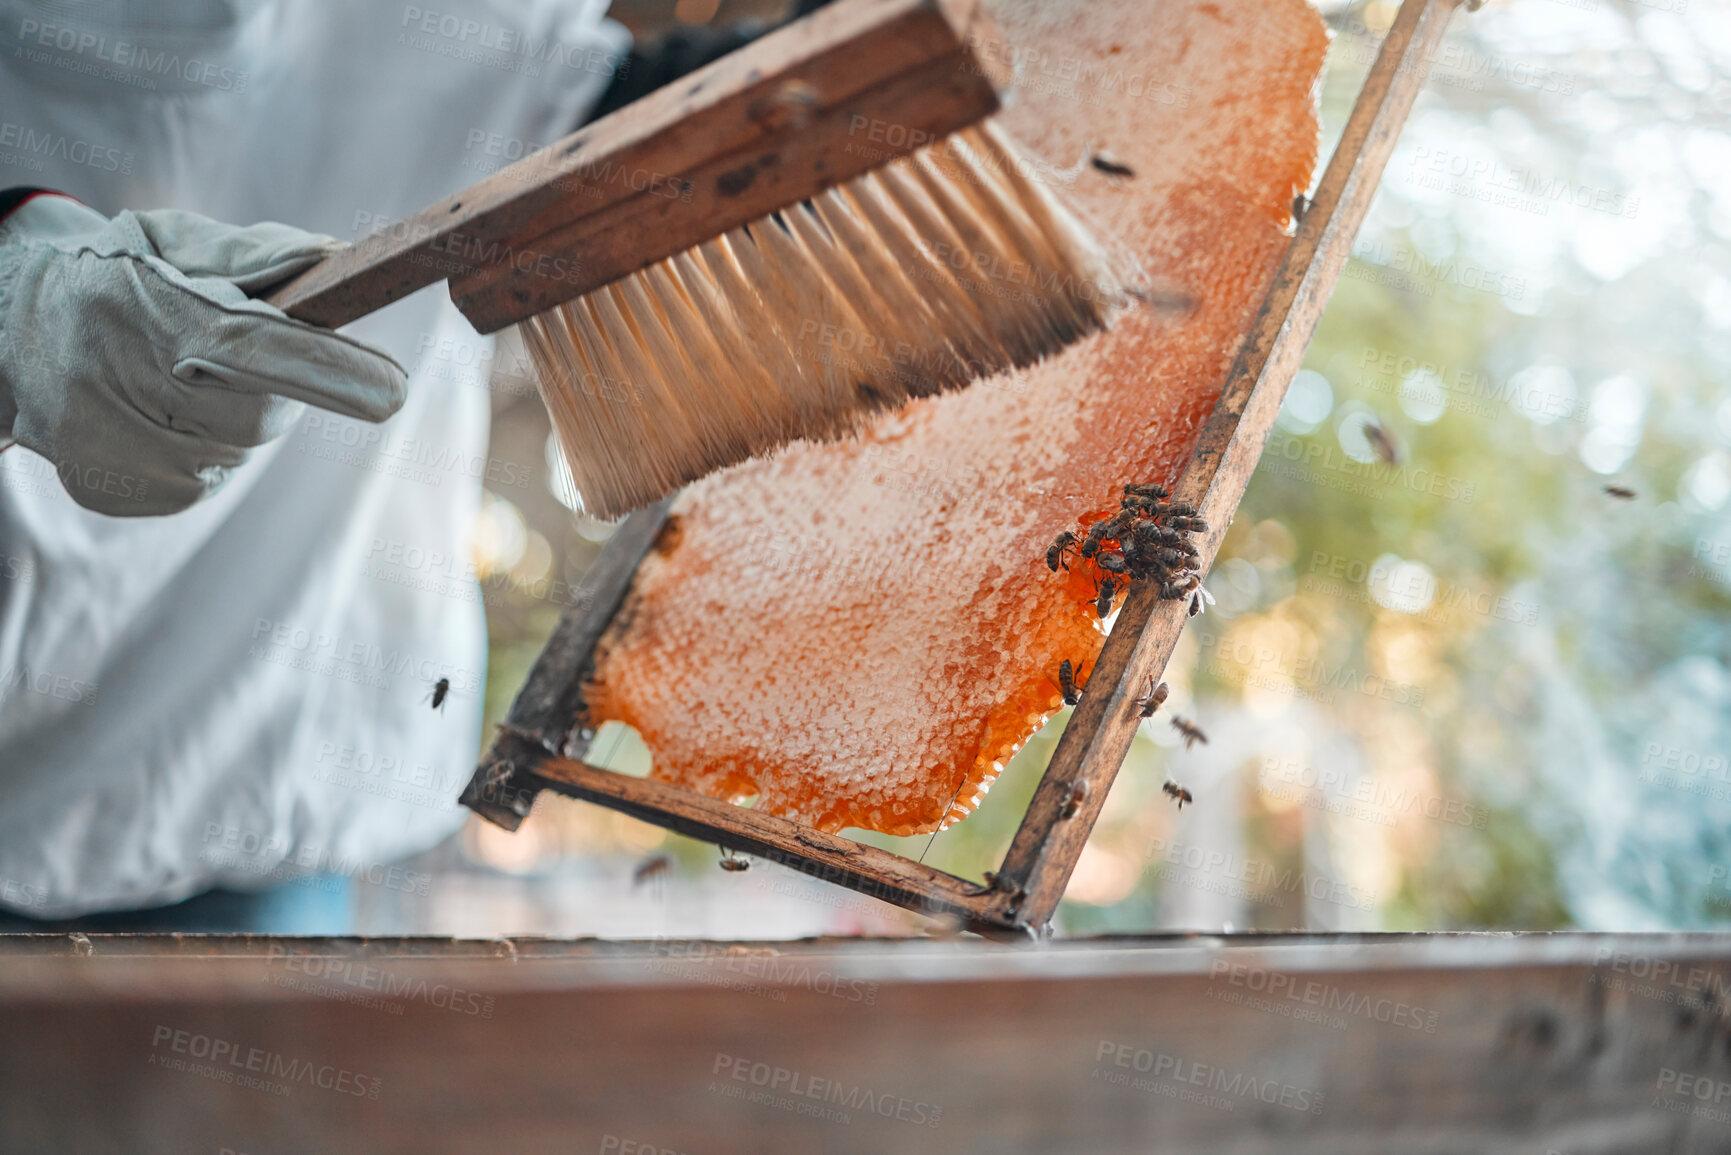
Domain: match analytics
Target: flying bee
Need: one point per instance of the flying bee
(1383, 442)
(1150, 701)
(734, 863)
(1178, 792)
(649, 868)
(1621, 492)
(1191, 731)
(1104, 596)
(1060, 550)
(1200, 599)
(1299, 205)
(1105, 162)
(441, 689)
(1067, 683)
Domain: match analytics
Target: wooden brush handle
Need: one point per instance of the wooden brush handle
(813, 104)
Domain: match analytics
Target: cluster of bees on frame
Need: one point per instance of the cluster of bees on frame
(1148, 539)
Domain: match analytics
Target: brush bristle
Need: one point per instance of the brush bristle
(938, 269)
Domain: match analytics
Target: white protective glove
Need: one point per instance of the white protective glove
(132, 358)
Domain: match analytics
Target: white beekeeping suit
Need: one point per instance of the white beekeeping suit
(221, 695)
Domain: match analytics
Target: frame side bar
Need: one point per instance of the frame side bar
(1042, 855)
(551, 699)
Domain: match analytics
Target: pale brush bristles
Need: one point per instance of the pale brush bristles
(940, 268)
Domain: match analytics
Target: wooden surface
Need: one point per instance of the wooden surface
(761, 128)
(1061, 815)
(1575, 1044)
(1046, 847)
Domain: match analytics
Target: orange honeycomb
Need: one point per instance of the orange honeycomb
(859, 632)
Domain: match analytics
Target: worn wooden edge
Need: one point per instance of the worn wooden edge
(758, 100)
(868, 870)
(1043, 853)
(1088, 756)
(835, 144)
(546, 709)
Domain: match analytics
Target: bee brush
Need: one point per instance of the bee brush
(808, 231)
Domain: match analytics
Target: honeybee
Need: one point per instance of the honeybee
(1178, 792)
(1382, 441)
(1073, 799)
(1299, 205)
(733, 862)
(1067, 683)
(1200, 599)
(1621, 492)
(1147, 489)
(1059, 553)
(1188, 524)
(1105, 162)
(1148, 533)
(1181, 509)
(441, 689)
(1104, 596)
(1191, 731)
(650, 868)
(1112, 563)
(1150, 701)
(1105, 530)
(1173, 590)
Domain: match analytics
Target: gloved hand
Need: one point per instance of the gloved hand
(132, 358)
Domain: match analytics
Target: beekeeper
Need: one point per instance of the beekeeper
(233, 547)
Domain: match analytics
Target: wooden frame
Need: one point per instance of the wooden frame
(535, 749)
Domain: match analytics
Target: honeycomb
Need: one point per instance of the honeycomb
(860, 634)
